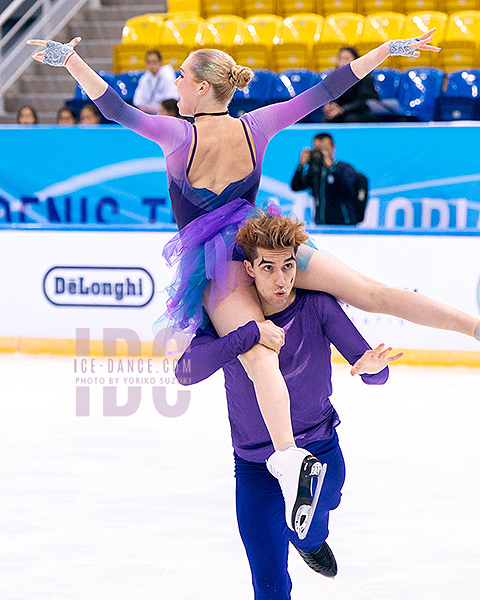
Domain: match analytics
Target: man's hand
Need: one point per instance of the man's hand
(271, 335)
(374, 361)
(327, 159)
(305, 156)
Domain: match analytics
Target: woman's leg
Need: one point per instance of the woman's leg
(327, 274)
(260, 363)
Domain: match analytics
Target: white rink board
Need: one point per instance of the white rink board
(446, 268)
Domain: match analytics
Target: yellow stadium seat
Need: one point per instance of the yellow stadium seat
(379, 28)
(143, 30)
(294, 7)
(181, 35)
(259, 35)
(328, 7)
(215, 8)
(183, 7)
(182, 30)
(298, 35)
(129, 57)
(419, 6)
(460, 48)
(416, 24)
(367, 7)
(263, 29)
(452, 6)
(250, 8)
(223, 32)
(341, 29)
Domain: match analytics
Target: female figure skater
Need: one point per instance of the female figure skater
(213, 170)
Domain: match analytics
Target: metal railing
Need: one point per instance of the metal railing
(42, 19)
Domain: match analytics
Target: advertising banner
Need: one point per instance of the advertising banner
(59, 285)
(422, 177)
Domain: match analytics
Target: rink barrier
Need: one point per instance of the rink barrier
(62, 285)
(65, 347)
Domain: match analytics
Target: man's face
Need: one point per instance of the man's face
(274, 273)
(326, 146)
(153, 63)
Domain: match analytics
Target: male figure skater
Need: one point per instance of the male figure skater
(302, 324)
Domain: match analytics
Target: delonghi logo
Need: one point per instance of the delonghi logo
(113, 287)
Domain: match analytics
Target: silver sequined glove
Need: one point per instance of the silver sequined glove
(56, 54)
(402, 47)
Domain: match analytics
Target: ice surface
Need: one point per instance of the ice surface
(142, 507)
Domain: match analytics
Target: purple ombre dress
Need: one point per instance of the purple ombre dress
(208, 222)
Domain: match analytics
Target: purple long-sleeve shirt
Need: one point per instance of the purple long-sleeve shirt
(175, 136)
(311, 323)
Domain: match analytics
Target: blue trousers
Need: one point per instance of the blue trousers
(261, 518)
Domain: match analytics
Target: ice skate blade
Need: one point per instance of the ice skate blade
(305, 506)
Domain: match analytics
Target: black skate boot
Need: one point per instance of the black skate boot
(322, 561)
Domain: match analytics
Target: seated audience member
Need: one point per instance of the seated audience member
(66, 116)
(351, 107)
(27, 115)
(156, 85)
(90, 115)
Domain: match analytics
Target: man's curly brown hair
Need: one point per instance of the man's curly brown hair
(271, 233)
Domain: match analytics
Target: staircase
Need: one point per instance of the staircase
(46, 88)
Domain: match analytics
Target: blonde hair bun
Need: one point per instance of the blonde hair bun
(241, 76)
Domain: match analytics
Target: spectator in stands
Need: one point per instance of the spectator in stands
(90, 115)
(27, 115)
(156, 85)
(339, 192)
(169, 108)
(351, 107)
(66, 116)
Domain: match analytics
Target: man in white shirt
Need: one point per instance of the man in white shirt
(156, 85)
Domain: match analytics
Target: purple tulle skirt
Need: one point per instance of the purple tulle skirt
(202, 251)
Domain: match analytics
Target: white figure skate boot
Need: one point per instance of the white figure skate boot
(300, 476)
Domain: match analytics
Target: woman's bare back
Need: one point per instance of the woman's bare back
(222, 155)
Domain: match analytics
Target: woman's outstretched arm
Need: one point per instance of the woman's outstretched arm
(365, 64)
(90, 81)
(168, 132)
(275, 117)
(328, 274)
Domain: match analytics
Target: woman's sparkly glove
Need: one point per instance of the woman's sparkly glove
(402, 47)
(57, 54)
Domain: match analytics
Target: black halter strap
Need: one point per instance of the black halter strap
(217, 114)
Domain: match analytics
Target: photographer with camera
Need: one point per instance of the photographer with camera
(339, 192)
